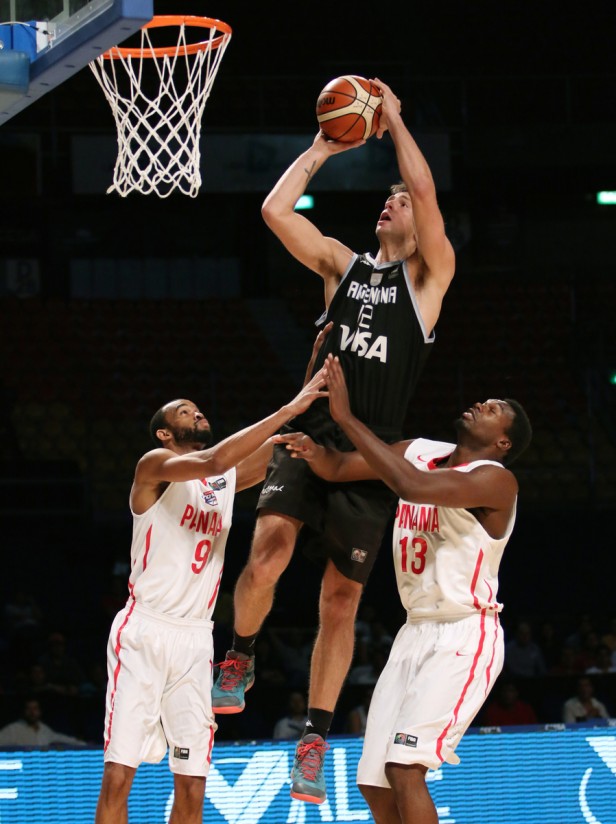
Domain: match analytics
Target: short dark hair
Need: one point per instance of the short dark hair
(396, 188)
(159, 421)
(520, 431)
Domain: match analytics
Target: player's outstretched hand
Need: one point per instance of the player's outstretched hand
(391, 106)
(309, 392)
(298, 444)
(339, 405)
(316, 346)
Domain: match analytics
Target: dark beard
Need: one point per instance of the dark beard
(196, 435)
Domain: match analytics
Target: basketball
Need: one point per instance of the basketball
(349, 109)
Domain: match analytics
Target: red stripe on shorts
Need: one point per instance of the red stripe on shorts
(116, 672)
(494, 642)
(469, 681)
(209, 749)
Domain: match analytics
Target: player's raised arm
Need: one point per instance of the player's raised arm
(252, 469)
(329, 464)
(324, 255)
(492, 487)
(160, 466)
(316, 347)
(433, 244)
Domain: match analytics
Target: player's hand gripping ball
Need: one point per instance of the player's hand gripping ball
(349, 109)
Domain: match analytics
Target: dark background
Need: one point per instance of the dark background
(525, 95)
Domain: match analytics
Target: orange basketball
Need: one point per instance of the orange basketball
(349, 108)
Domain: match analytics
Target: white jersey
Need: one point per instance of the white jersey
(446, 563)
(178, 547)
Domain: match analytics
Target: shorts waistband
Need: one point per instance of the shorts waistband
(452, 619)
(170, 620)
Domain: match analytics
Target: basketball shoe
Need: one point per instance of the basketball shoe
(236, 676)
(308, 780)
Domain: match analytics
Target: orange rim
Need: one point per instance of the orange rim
(175, 20)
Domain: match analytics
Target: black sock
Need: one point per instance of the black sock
(244, 644)
(319, 721)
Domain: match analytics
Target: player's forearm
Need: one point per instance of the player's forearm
(293, 182)
(237, 447)
(328, 464)
(392, 468)
(412, 165)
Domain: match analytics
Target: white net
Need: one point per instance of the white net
(157, 102)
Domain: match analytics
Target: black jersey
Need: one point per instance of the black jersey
(382, 344)
(380, 338)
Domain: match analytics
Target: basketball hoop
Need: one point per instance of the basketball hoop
(158, 113)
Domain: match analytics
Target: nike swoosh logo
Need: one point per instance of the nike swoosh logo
(423, 460)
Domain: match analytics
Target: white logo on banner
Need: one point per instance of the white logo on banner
(605, 747)
(264, 776)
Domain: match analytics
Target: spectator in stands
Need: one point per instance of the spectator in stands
(357, 717)
(96, 679)
(23, 616)
(576, 638)
(381, 637)
(294, 649)
(114, 597)
(368, 663)
(10, 442)
(603, 663)
(609, 638)
(270, 671)
(507, 709)
(523, 656)
(370, 629)
(32, 680)
(22, 613)
(568, 664)
(292, 724)
(366, 615)
(38, 683)
(588, 650)
(583, 706)
(551, 644)
(30, 731)
(63, 671)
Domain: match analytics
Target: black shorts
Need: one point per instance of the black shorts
(344, 522)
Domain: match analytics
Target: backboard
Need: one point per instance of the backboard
(44, 42)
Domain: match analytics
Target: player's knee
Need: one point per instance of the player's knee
(382, 804)
(117, 780)
(272, 528)
(189, 791)
(271, 551)
(340, 602)
(265, 570)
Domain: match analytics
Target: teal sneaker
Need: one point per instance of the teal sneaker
(236, 676)
(308, 781)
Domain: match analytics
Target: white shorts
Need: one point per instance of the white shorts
(435, 681)
(159, 691)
